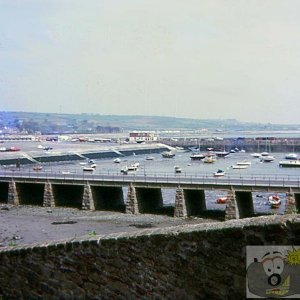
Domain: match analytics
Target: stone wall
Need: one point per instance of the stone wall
(205, 261)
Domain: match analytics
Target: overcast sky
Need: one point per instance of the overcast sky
(184, 58)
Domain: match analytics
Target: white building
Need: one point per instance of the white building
(142, 136)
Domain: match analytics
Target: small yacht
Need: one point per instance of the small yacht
(221, 200)
(177, 169)
(291, 156)
(290, 163)
(244, 163)
(150, 158)
(219, 173)
(38, 168)
(264, 154)
(274, 201)
(133, 167)
(267, 158)
(88, 169)
(209, 159)
(168, 154)
(239, 167)
(222, 153)
(197, 156)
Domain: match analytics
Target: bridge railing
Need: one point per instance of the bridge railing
(171, 178)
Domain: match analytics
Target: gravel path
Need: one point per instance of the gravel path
(31, 224)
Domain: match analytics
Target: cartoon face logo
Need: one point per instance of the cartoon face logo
(272, 275)
(273, 265)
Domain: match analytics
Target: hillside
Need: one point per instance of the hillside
(77, 123)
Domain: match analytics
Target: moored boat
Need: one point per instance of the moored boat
(209, 159)
(274, 201)
(197, 156)
(256, 155)
(177, 169)
(239, 166)
(133, 167)
(150, 158)
(88, 169)
(168, 154)
(221, 200)
(244, 163)
(267, 158)
(291, 156)
(264, 153)
(219, 173)
(124, 170)
(222, 153)
(38, 168)
(289, 163)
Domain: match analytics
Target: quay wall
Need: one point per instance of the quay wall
(69, 157)
(248, 144)
(203, 261)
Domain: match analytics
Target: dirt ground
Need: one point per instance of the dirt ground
(21, 225)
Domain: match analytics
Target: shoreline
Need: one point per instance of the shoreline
(28, 224)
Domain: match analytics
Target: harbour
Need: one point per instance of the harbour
(160, 166)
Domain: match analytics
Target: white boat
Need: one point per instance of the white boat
(256, 155)
(209, 159)
(291, 156)
(267, 158)
(177, 169)
(133, 167)
(222, 153)
(243, 163)
(168, 154)
(264, 154)
(197, 156)
(219, 173)
(88, 169)
(117, 160)
(124, 170)
(274, 201)
(289, 163)
(38, 168)
(239, 166)
(150, 158)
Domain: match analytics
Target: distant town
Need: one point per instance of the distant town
(54, 123)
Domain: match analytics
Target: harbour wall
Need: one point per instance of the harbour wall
(249, 144)
(69, 156)
(204, 261)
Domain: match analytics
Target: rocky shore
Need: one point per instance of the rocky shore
(33, 224)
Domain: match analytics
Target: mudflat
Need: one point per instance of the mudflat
(22, 224)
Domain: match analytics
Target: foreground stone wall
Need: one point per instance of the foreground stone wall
(205, 261)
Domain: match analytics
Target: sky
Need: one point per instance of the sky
(201, 59)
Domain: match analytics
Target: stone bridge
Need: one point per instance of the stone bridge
(144, 194)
